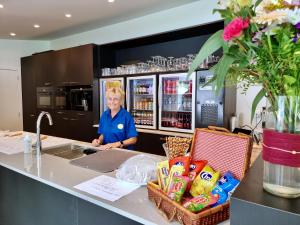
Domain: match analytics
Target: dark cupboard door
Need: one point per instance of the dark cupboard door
(44, 65)
(28, 94)
(80, 65)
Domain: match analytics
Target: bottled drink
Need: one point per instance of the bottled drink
(150, 90)
(179, 123)
(190, 86)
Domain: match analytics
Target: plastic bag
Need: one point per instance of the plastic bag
(138, 169)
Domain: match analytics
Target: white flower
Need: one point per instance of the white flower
(293, 15)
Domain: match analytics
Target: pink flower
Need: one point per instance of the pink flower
(235, 28)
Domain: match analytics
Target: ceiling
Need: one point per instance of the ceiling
(19, 16)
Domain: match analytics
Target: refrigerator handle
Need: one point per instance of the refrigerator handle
(127, 97)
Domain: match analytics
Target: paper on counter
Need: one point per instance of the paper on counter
(106, 187)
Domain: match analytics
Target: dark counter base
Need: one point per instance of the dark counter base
(24, 201)
(250, 204)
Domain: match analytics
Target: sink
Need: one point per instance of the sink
(69, 151)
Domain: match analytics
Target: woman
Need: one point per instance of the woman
(116, 126)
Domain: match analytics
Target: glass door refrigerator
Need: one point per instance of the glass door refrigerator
(177, 102)
(141, 100)
(105, 84)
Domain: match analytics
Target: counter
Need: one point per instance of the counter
(46, 185)
(250, 204)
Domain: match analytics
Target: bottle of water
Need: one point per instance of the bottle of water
(27, 144)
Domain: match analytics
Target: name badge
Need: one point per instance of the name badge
(120, 126)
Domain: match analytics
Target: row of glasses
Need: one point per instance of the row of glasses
(160, 64)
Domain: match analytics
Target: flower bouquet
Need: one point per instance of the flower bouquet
(261, 46)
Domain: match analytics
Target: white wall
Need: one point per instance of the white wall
(10, 79)
(193, 14)
(244, 105)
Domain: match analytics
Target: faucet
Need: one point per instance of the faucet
(38, 130)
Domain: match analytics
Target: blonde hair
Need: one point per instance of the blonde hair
(116, 90)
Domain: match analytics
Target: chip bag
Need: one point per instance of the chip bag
(163, 173)
(200, 202)
(205, 181)
(177, 187)
(175, 170)
(196, 167)
(181, 161)
(225, 187)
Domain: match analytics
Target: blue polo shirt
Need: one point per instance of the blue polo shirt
(119, 128)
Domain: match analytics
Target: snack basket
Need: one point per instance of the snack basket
(216, 145)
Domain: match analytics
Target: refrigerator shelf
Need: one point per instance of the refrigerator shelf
(179, 94)
(178, 111)
(148, 110)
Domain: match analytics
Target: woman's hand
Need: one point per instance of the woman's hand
(96, 142)
(110, 145)
(105, 147)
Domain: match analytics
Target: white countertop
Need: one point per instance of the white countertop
(60, 174)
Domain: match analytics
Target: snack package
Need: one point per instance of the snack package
(163, 173)
(200, 202)
(181, 161)
(205, 181)
(177, 187)
(225, 187)
(175, 170)
(196, 167)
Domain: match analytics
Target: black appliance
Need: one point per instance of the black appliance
(81, 98)
(45, 97)
(60, 98)
(209, 106)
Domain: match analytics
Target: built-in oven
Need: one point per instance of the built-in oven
(45, 97)
(60, 98)
(81, 98)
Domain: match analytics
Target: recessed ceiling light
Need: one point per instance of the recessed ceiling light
(12, 34)
(36, 26)
(1, 6)
(68, 15)
(111, 1)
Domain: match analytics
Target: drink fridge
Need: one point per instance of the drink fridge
(177, 102)
(105, 84)
(141, 100)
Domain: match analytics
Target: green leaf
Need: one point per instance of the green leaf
(210, 46)
(289, 79)
(256, 100)
(222, 69)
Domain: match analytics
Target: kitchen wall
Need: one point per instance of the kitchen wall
(193, 14)
(10, 79)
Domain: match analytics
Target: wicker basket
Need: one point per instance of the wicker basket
(220, 140)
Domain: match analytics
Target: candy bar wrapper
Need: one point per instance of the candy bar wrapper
(163, 173)
(200, 202)
(181, 161)
(225, 187)
(177, 187)
(175, 170)
(205, 181)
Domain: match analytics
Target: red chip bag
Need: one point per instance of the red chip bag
(181, 161)
(196, 167)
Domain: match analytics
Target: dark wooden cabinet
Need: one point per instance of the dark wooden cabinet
(44, 68)
(80, 65)
(28, 94)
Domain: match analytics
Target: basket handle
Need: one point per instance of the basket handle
(174, 211)
(218, 129)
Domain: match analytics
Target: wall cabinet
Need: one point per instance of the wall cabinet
(28, 94)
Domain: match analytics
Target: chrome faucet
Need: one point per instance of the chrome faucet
(38, 130)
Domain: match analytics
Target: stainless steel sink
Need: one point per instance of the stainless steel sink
(69, 151)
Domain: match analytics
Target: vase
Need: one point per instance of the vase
(281, 149)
